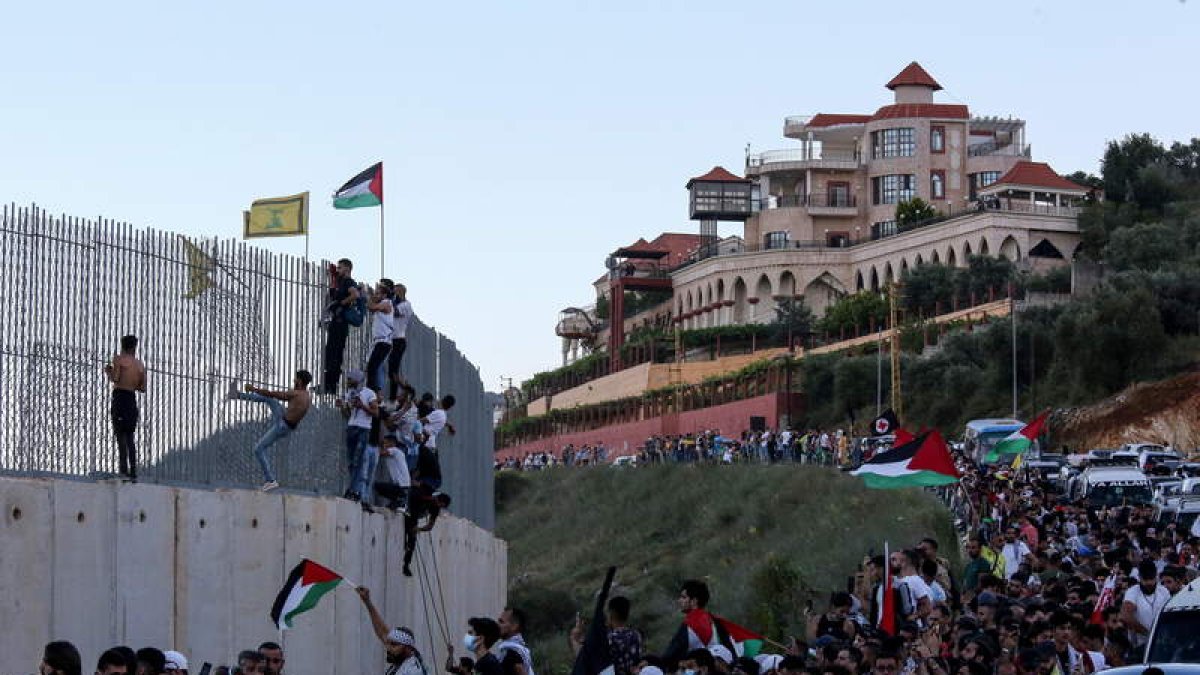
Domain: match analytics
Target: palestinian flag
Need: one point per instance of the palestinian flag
(1018, 441)
(745, 641)
(365, 189)
(305, 586)
(1106, 599)
(924, 461)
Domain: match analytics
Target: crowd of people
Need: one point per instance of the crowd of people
(812, 446)
(62, 658)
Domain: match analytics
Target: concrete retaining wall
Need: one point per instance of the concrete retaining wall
(102, 564)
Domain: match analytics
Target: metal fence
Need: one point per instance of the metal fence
(206, 312)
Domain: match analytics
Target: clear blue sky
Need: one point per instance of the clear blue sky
(524, 141)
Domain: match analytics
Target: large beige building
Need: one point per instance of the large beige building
(822, 218)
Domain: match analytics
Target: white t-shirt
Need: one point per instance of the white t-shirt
(435, 422)
(359, 417)
(396, 464)
(401, 313)
(381, 323)
(1014, 554)
(1147, 607)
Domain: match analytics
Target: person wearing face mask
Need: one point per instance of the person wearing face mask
(1142, 603)
(399, 643)
(482, 633)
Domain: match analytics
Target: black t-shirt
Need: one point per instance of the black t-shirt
(339, 292)
(510, 662)
(428, 466)
(489, 665)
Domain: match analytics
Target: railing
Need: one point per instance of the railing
(994, 148)
(208, 312)
(793, 155)
(818, 200)
(640, 270)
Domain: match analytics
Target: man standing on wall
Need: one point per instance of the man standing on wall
(127, 374)
(283, 422)
(382, 319)
(401, 314)
(343, 293)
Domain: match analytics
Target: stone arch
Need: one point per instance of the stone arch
(936, 259)
(966, 256)
(920, 260)
(903, 267)
(739, 300)
(1078, 250)
(765, 306)
(822, 292)
(858, 281)
(720, 290)
(787, 284)
(1009, 249)
(1045, 249)
(874, 279)
(889, 275)
(983, 246)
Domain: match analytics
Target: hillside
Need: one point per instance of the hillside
(1167, 411)
(768, 539)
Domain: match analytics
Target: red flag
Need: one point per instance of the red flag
(934, 455)
(903, 437)
(887, 622)
(1106, 599)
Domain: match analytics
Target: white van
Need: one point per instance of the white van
(1175, 637)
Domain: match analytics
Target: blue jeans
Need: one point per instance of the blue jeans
(278, 430)
(366, 475)
(356, 444)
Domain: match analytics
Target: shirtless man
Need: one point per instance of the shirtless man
(128, 375)
(283, 422)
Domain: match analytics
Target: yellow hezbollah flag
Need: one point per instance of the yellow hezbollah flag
(200, 269)
(277, 217)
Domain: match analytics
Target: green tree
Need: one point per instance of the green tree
(602, 307)
(912, 211)
(1123, 162)
(793, 319)
(1145, 246)
(984, 274)
(854, 312)
(929, 287)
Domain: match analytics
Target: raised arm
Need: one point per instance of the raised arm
(377, 622)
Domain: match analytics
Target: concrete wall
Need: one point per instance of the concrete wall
(102, 564)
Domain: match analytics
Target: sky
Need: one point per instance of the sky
(524, 141)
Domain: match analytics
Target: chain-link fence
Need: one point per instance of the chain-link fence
(206, 312)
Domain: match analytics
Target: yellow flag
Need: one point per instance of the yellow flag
(200, 269)
(277, 217)
(1018, 462)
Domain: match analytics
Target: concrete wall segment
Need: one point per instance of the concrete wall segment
(198, 570)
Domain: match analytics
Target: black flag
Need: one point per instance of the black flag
(594, 656)
(885, 424)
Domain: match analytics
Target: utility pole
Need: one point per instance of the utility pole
(893, 321)
(1012, 312)
(504, 392)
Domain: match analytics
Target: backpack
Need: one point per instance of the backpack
(357, 313)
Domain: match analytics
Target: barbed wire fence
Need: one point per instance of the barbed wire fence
(206, 312)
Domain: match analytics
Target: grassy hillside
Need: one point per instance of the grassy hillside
(768, 539)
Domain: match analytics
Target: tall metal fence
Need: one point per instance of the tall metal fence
(206, 312)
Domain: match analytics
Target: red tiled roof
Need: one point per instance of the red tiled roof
(1037, 174)
(914, 75)
(676, 247)
(834, 119)
(718, 175)
(936, 110)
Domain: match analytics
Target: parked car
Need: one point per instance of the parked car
(1175, 637)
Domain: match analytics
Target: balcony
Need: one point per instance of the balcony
(797, 159)
(992, 148)
(819, 204)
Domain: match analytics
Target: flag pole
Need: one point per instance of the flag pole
(381, 250)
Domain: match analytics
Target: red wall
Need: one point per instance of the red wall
(625, 439)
